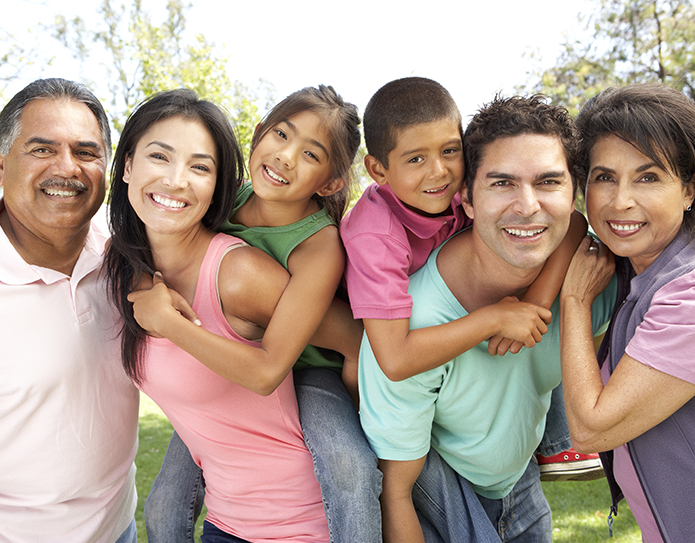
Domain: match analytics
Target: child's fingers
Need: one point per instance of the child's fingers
(493, 345)
(504, 346)
(182, 306)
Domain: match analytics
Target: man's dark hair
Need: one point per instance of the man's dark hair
(402, 103)
(508, 117)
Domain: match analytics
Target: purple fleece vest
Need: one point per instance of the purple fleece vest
(664, 457)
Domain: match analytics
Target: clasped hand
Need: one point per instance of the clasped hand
(155, 305)
(521, 325)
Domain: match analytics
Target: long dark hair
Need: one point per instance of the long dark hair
(342, 124)
(129, 256)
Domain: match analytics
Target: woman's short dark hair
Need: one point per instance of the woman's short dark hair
(658, 120)
(129, 256)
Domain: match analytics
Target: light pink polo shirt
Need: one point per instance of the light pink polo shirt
(68, 412)
(386, 242)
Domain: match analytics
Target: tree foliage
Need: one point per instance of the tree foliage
(140, 57)
(625, 42)
(15, 57)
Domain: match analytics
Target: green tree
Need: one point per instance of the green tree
(15, 57)
(625, 42)
(143, 57)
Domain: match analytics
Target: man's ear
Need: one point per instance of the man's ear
(333, 186)
(375, 169)
(465, 201)
(2, 170)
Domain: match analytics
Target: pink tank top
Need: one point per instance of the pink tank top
(259, 475)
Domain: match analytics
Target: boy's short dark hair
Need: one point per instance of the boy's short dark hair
(508, 117)
(402, 103)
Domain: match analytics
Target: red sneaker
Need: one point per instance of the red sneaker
(570, 465)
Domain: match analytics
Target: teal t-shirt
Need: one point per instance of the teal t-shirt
(485, 415)
(279, 242)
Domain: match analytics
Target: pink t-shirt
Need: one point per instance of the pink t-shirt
(259, 475)
(385, 243)
(664, 342)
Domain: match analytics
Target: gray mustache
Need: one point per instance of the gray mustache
(67, 184)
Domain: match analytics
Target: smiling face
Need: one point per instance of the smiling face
(522, 199)
(171, 176)
(53, 175)
(292, 161)
(635, 207)
(425, 168)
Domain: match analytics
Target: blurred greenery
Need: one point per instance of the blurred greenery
(621, 42)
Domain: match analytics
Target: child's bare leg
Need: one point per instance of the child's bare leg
(399, 518)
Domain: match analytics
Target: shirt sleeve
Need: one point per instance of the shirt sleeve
(377, 277)
(397, 416)
(665, 338)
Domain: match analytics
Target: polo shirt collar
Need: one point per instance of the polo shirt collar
(422, 226)
(14, 270)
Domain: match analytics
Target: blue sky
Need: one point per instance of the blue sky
(474, 48)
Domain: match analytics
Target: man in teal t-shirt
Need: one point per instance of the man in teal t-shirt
(475, 422)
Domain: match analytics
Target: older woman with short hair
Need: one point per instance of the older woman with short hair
(636, 405)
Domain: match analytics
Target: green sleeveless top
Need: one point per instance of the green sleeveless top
(279, 242)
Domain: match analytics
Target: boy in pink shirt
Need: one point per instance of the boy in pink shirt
(413, 133)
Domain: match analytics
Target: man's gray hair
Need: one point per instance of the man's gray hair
(53, 89)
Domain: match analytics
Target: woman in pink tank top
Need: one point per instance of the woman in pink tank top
(174, 181)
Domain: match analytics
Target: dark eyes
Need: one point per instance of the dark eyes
(607, 178)
(84, 154)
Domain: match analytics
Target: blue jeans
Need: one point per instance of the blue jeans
(344, 464)
(176, 498)
(557, 435)
(212, 534)
(522, 516)
(129, 535)
(451, 512)
(448, 509)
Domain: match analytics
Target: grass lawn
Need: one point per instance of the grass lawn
(580, 510)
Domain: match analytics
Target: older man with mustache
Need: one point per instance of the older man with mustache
(68, 413)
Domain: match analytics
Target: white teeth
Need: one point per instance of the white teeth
(435, 191)
(61, 193)
(523, 233)
(167, 202)
(625, 227)
(275, 176)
